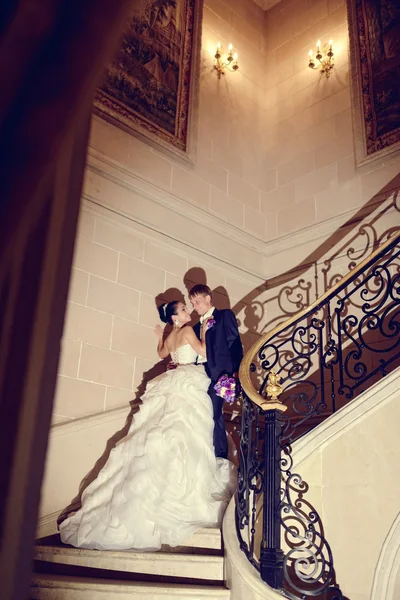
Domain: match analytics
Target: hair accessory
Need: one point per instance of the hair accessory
(165, 309)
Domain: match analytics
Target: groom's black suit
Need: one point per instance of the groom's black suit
(224, 353)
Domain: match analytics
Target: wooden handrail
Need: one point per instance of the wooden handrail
(244, 371)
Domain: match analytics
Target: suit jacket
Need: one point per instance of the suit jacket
(224, 348)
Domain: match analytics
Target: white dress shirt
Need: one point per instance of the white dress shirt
(209, 313)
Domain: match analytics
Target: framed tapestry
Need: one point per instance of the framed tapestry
(374, 28)
(150, 87)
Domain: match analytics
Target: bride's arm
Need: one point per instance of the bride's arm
(192, 339)
(162, 349)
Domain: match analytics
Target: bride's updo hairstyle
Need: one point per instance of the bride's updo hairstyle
(167, 310)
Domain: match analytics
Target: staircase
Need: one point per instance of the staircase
(295, 378)
(297, 383)
(189, 572)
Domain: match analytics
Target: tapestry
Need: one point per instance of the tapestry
(375, 53)
(147, 86)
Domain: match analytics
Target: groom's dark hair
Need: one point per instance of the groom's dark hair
(200, 290)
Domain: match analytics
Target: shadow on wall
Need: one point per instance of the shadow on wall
(291, 284)
(75, 503)
(298, 287)
(221, 300)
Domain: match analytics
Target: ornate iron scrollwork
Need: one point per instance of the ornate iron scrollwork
(308, 564)
(306, 569)
(337, 348)
(315, 364)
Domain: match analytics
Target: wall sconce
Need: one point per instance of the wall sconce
(231, 62)
(325, 60)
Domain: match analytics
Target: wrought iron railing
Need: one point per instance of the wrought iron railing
(293, 378)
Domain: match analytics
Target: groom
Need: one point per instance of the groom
(224, 353)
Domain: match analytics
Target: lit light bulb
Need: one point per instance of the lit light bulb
(318, 44)
(235, 56)
(219, 46)
(310, 54)
(330, 43)
(230, 48)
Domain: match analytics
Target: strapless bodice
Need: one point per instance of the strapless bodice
(185, 355)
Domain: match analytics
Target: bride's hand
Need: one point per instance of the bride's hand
(206, 321)
(159, 331)
(205, 328)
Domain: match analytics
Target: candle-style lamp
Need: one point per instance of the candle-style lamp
(323, 61)
(231, 62)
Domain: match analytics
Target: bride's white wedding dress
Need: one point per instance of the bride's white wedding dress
(162, 481)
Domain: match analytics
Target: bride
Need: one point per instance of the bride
(162, 481)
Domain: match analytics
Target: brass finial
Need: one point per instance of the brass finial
(274, 388)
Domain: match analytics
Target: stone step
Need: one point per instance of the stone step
(210, 539)
(202, 539)
(166, 564)
(57, 587)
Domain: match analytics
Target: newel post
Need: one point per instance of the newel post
(271, 553)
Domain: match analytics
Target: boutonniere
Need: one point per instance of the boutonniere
(226, 388)
(210, 323)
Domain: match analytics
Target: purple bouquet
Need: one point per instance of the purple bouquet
(210, 323)
(226, 388)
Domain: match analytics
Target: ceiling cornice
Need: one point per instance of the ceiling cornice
(266, 4)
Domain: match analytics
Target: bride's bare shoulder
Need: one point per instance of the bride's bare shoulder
(169, 340)
(187, 332)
